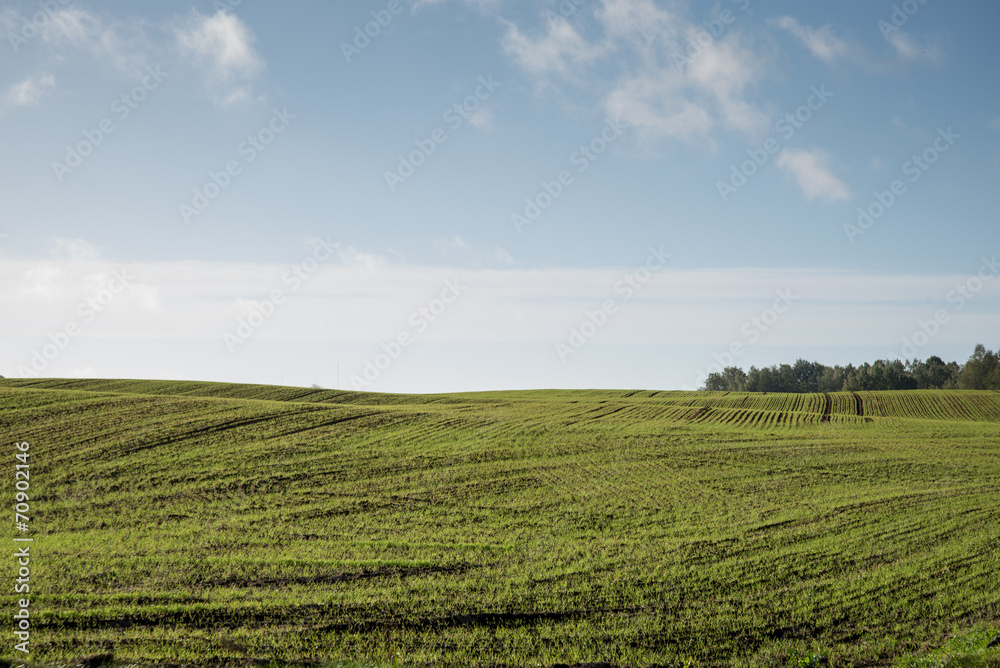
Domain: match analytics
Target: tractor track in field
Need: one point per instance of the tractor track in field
(828, 408)
(215, 618)
(196, 432)
(698, 413)
(316, 613)
(487, 619)
(859, 405)
(331, 578)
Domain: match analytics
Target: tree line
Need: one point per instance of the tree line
(980, 372)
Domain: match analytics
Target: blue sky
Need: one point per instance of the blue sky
(489, 194)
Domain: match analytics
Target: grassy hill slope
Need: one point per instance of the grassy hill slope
(172, 519)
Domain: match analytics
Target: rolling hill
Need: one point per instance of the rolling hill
(188, 522)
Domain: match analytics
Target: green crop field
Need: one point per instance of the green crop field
(195, 523)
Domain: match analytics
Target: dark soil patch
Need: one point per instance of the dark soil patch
(828, 408)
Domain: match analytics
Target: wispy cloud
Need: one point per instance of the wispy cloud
(824, 44)
(75, 249)
(909, 48)
(124, 44)
(633, 64)
(27, 93)
(482, 119)
(450, 247)
(559, 51)
(811, 171)
(821, 42)
(223, 46)
(482, 4)
(904, 127)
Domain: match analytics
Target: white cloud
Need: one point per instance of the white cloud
(663, 102)
(653, 102)
(353, 257)
(482, 4)
(725, 69)
(76, 267)
(27, 93)
(350, 302)
(224, 46)
(644, 66)
(559, 51)
(908, 48)
(811, 171)
(828, 47)
(640, 22)
(514, 316)
(903, 127)
(42, 280)
(75, 249)
(482, 118)
(821, 42)
(450, 247)
(124, 44)
(456, 243)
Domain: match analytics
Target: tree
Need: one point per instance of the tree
(732, 379)
(982, 371)
(831, 379)
(882, 375)
(806, 375)
(934, 374)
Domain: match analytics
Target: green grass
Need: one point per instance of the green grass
(172, 519)
(962, 650)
